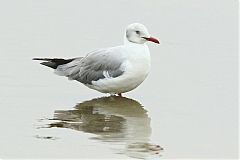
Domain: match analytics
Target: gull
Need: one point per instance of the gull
(113, 70)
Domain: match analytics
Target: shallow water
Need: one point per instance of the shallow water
(115, 120)
(186, 108)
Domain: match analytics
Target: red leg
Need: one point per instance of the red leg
(120, 94)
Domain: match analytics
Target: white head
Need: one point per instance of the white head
(137, 33)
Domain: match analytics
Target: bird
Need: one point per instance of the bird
(114, 70)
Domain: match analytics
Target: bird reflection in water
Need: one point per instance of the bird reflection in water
(117, 120)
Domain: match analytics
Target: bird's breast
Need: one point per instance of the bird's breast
(138, 61)
(136, 67)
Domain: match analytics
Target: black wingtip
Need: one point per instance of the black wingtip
(39, 59)
(53, 62)
(49, 64)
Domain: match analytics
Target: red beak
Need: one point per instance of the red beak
(152, 39)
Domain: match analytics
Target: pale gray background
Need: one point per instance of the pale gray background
(190, 94)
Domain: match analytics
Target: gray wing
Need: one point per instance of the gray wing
(96, 65)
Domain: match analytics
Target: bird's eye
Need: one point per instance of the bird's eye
(138, 32)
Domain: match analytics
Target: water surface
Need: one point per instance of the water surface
(120, 121)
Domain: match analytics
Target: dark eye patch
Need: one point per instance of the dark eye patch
(138, 32)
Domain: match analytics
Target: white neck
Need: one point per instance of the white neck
(127, 42)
